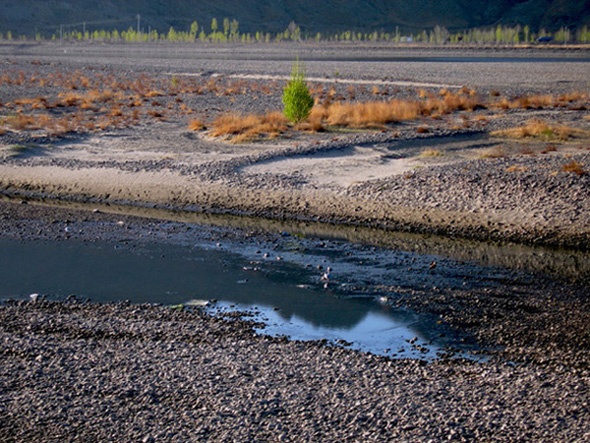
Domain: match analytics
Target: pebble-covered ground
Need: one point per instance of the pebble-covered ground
(74, 370)
(80, 372)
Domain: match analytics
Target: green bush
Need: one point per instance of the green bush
(297, 100)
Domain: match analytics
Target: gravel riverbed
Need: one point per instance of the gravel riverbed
(82, 372)
(75, 371)
(78, 371)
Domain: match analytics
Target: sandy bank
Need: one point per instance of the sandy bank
(468, 198)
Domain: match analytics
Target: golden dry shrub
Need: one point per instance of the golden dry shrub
(45, 121)
(539, 129)
(315, 120)
(371, 114)
(21, 122)
(70, 99)
(429, 152)
(516, 168)
(533, 101)
(575, 167)
(239, 128)
(541, 101)
(115, 111)
(196, 124)
(98, 96)
(449, 103)
(154, 93)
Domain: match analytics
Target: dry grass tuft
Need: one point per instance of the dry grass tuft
(240, 128)
(533, 102)
(98, 96)
(572, 100)
(21, 122)
(539, 129)
(62, 126)
(28, 101)
(570, 97)
(449, 103)
(196, 125)
(315, 121)
(373, 114)
(549, 148)
(516, 168)
(70, 99)
(115, 112)
(430, 153)
(154, 93)
(574, 167)
(495, 152)
(154, 113)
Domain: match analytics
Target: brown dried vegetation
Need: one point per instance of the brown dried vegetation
(431, 153)
(94, 101)
(495, 152)
(516, 168)
(575, 167)
(371, 114)
(196, 125)
(241, 128)
(540, 129)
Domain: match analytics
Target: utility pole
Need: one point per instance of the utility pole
(61, 34)
(84, 28)
(138, 23)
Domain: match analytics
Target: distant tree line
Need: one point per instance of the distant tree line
(228, 31)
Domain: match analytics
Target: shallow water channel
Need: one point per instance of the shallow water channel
(292, 300)
(278, 278)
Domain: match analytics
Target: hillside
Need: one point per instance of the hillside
(46, 16)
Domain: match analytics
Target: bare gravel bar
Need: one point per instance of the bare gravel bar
(72, 372)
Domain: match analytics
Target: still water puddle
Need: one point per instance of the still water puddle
(288, 295)
(396, 334)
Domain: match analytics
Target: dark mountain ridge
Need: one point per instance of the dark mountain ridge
(45, 16)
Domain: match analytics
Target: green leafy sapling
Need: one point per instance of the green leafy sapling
(297, 100)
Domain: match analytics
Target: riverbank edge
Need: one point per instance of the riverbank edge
(218, 199)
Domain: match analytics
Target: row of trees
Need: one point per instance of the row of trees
(229, 31)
